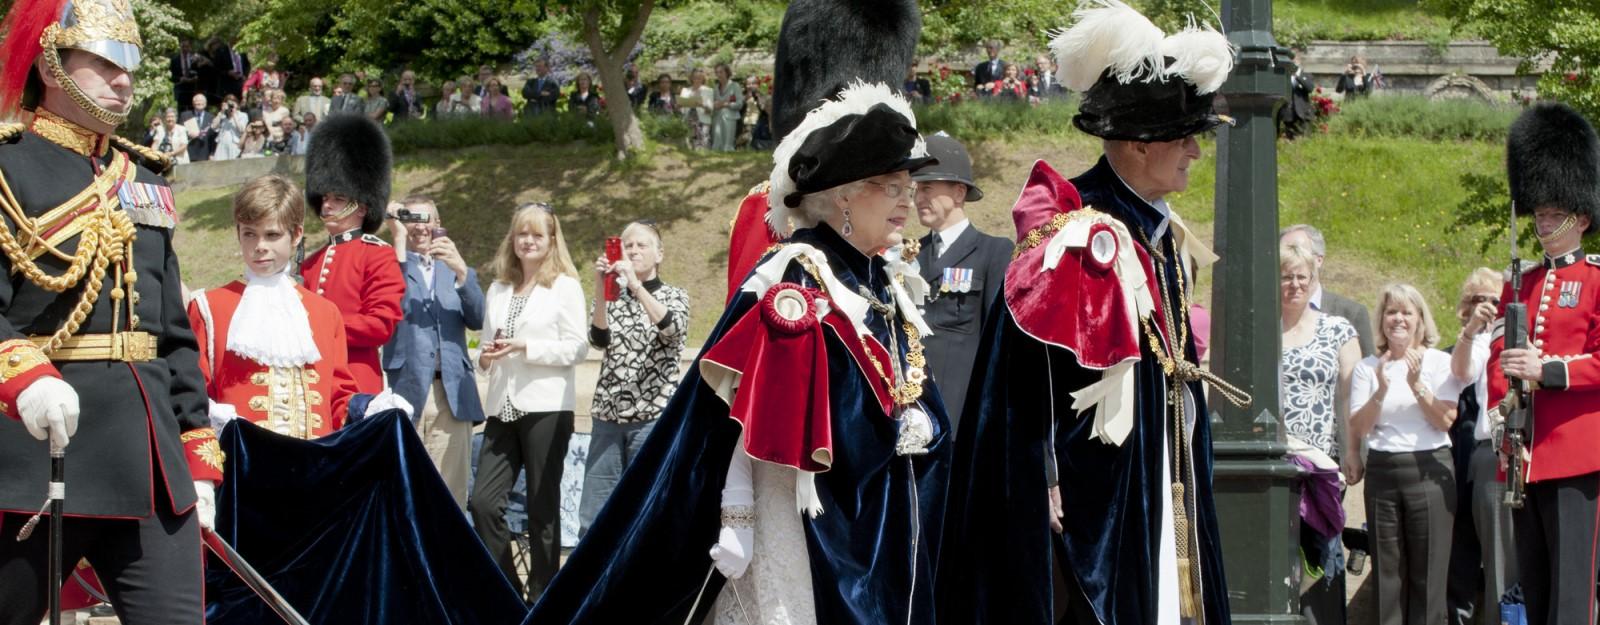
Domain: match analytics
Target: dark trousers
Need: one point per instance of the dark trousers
(537, 442)
(1481, 563)
(1556, 542)
(151, 567)
(612, 447)
(1411, 505)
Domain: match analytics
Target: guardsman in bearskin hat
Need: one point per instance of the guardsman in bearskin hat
(1553, 163)
(1091, 450)
(824, 46)
(95, 348)
(347, 183)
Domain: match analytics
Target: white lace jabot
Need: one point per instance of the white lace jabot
(271, 326)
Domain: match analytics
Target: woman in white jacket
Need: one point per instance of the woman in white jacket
(535, 316)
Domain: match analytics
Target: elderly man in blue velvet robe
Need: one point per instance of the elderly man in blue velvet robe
(1086, 453)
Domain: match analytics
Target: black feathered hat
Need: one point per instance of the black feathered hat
(869, 130)
(349, 155)
(1138, 83)
(1553, 159)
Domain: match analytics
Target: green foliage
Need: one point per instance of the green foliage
(974, 121)
(1416, 116)
(959, 27)
(159, 28)
(702, 28)
(438, 38)
(1564, 32)
(1299, 22)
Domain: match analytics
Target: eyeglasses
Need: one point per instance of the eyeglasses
(1294, 279)
(1480, 299)
(893, 190)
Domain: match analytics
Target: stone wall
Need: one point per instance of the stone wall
(214, 174)
(1463, 69)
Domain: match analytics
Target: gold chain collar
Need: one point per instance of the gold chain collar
(58, 130)
(52, 61)
(910, 388)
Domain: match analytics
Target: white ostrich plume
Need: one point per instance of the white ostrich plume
(1201, 56)
(855, 99)
(1108, 35)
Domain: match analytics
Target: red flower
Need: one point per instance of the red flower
(1572, 77)
(944, 72)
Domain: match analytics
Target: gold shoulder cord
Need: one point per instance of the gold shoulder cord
(106, 239)
(164, 163)
(909, 390)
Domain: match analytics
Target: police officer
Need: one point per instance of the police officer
(95, 347)
(1553, 162)
(963, 267)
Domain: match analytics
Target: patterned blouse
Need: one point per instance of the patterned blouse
(1310, 378)
(639, 370)
(509, 412)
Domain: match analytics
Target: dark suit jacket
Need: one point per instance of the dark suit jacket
(200, 145)
(983, 73)
(541, 93)
(957, 318)
(432, 338)
(1354, 312)
(222, 64)
(403, 110)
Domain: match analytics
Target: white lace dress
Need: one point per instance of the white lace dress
(776, 589)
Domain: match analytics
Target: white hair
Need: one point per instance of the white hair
(815, 208)
(1319, 246)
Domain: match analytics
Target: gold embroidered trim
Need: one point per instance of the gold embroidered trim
(58, 130)
(21, 356)
(1037, 236)
(209, 451)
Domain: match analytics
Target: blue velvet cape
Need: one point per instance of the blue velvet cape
(647, 553)
(353, 528)
(998, 553)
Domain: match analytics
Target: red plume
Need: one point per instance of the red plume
(22, 27)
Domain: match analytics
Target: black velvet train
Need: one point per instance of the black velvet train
(827, 44)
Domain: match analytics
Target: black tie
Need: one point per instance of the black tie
(938, 245)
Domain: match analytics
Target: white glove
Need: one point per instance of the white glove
(205, 505)
(49, 409)
(731, 554)
(221, 414)
(385, 401)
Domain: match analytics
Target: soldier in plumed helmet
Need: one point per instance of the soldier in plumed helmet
(96, 353)
(1553, 163)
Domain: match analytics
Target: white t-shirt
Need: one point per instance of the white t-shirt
(1401, 426)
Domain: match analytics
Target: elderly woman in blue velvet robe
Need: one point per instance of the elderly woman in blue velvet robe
(797, 474)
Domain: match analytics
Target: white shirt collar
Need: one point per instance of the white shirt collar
(1160, 204)
(948, 236)
(1316, 297)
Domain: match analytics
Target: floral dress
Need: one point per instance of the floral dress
(1310, 377)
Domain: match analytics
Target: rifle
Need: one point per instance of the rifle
(1514, 438)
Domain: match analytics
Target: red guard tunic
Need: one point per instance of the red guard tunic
(304, 402)
(1563, 298)
(359, 274)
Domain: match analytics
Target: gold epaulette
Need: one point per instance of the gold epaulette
(9, 132)
(156, 161)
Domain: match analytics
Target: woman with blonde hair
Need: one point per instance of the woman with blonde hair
(1319, 353)
(1486, 522)
(1402, 403)
(534, 318)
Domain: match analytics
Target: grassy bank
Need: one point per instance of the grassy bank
(1387, 205)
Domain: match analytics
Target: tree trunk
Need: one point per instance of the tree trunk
(613, 79)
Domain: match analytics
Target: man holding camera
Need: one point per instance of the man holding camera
(426, 359)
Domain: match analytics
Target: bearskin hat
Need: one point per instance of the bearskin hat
(1553, 159)
(827, 45)
(349, 155)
